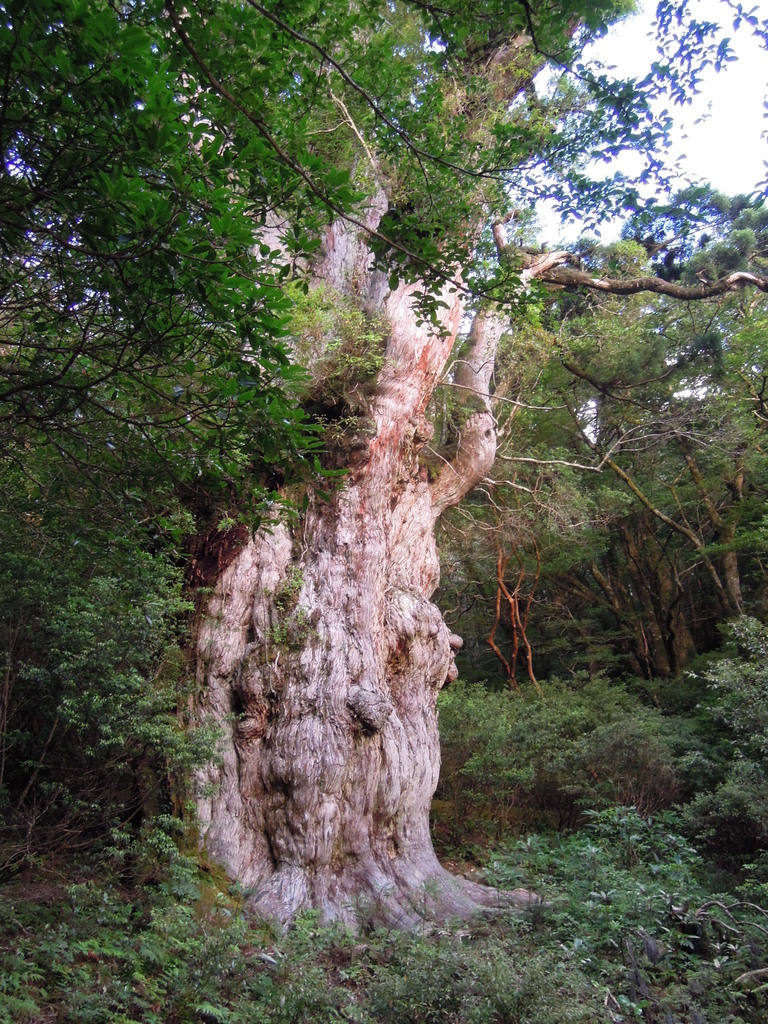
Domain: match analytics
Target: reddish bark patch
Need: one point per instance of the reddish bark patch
(211, 554)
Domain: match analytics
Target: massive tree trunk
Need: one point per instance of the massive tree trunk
(321, 655)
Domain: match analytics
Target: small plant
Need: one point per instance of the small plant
(341, 346)
(623, 900)
(292, 625)
(287, 592)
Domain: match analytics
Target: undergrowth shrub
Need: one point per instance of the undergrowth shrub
(342, 348)
(730, 819)
(623, 901)
(183, 952)
(92, 728)
(520, 758)
(476, 981)
(95, 950)
(623, 930)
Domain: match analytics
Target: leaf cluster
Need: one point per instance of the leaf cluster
(141, 324)
(517, 758)
(624, 900)
(730, 817)
(93, 722)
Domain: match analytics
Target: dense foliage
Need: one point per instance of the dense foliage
(625, 520)
(141, 323)
(623, 929)
(94, 740)
(149, 320)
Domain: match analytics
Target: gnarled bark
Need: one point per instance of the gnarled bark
(322, 654)
(321, 657)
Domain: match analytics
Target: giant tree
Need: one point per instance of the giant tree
(321, 653)
(365, 162)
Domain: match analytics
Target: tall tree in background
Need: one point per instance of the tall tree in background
(367, 162)
(627, 511)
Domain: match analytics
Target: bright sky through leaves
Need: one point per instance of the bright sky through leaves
(721, 136)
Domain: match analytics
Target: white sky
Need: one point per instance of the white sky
(728, 145)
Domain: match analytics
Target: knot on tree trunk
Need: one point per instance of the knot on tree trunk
(370, 707)
(423, 430)
(455, 641)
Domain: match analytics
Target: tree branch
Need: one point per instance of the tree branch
(554, 271)
(420, 154)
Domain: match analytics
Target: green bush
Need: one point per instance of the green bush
(341, 346)
(476, 981)
(623, 901)
(181, 952)
(102, 954)
(521, 758)
(730, 821)
(92, 731)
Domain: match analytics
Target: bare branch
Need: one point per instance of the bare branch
(349, 121)
(497, 398)
(506, 483)
(551, 462)
(762, 972)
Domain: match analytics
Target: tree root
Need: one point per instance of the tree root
(378, 901)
